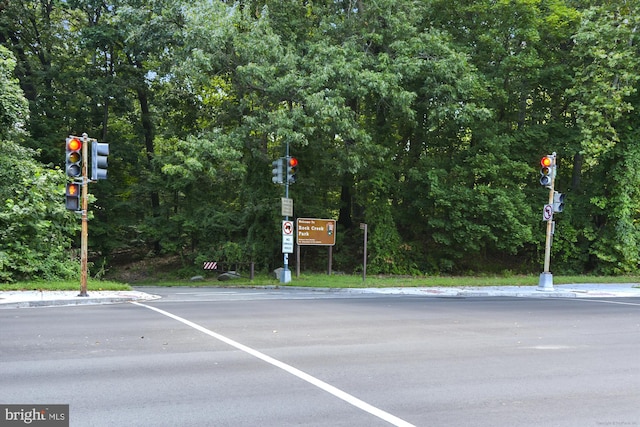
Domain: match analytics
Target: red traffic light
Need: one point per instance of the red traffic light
(292, 169)
(74, 157)
(546, 161)
(74, 144)
(547, 170)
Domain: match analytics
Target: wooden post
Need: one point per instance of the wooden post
(364, 260)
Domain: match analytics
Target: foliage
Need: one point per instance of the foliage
(13, 105)
(426, 120)
(34, 225)
(35, 229)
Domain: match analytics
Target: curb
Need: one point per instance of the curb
(73, 300)
(65, 302)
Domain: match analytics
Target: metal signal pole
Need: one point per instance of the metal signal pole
(84, 234)
(545, 282)
(286, 273)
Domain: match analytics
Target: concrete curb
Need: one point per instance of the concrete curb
(561, 291)
(31, 299)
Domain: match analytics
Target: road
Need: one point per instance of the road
(285, 357)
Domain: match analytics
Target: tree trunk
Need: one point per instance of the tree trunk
(147, 126)
(577, 171)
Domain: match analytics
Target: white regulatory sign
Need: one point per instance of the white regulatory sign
(547, 212)
(287, 244)
(287, 228)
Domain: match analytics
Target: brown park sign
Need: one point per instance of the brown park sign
(313, 231)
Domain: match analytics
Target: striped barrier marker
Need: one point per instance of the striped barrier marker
(210, 265)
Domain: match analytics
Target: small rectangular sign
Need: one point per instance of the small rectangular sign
(287, 207)
(287, 244)
(314, 231)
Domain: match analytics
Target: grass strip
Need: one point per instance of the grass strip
(324, 281)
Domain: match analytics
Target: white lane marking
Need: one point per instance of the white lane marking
(221, 293)
(549, 347)
(605, 301)
(392, 419)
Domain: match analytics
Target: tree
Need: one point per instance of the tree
(35, 229)
(605, 98)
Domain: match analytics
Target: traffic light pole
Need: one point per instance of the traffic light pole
(84, 234)
(286, 273)
(545, 282)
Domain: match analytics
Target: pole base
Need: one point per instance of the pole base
(546, 282)
(286, 276)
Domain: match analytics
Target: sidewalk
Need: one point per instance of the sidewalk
(582, 290)
(23, 299)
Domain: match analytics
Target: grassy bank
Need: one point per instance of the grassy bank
(65, 285)
(325, 281)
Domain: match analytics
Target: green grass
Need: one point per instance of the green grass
(65, 285)
(325, 281)
(346, 281)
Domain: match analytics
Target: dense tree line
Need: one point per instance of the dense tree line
(426, 119)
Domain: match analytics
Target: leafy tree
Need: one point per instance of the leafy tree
(35, 228)
(426, 120)
(13, 106)
(605, 98)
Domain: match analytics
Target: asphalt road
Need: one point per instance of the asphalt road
(212, 357)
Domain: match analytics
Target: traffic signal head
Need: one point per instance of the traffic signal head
(277, 171)
(73, 157)
(546, 170)
(72, 196)
(558, 202)
(99, 153)
(292, 169)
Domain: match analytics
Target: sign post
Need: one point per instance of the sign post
(363, 226)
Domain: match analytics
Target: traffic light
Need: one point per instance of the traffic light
(72, 196)
(292, 169)
(277, 171)
(99, 153)
(74, 157)
(558, 202)
(547, 164)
